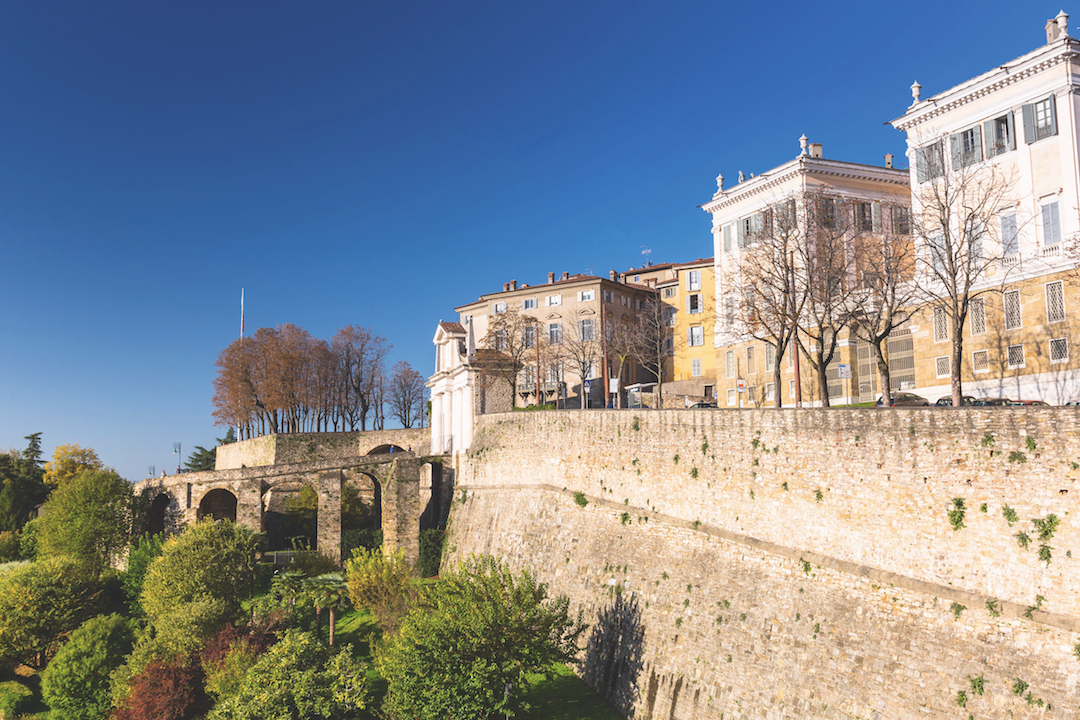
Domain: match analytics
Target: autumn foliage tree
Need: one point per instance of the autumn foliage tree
(69, 461)
(406, 397)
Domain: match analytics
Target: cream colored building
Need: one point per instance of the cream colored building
(877, 200)
(566, 313)
(1019, 123)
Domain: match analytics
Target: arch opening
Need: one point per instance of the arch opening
(155, 516)
(383, 449)
(361, 513)
(219, 504)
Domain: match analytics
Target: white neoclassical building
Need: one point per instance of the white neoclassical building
(452, 389)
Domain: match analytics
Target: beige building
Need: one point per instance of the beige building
(552, 333)
(1016, 127)
(857, 202)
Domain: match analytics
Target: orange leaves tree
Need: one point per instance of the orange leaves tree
(284, 380)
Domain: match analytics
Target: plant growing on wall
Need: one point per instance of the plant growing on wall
(1010, 515)
(956, 515)
(580, 499)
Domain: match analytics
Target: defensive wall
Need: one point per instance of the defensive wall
(307, 447)
(797, 563)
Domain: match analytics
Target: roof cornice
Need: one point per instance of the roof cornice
(1039, 60)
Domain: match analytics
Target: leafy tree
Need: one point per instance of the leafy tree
(23, 487)
(142, 553)
(89, 518)
(41, 604)
(9, 546)
(298, 679)
(75, 685)
(68, 462)
(208, 560)
(382, 584)
(465, 653)
(165, 691)
(14, 697)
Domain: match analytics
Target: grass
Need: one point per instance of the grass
(564, 697)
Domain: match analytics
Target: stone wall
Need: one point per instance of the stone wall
(313, 447)
(797, 563)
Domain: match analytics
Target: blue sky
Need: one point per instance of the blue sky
(379, 163)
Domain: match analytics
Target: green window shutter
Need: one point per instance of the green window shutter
(1029, 123)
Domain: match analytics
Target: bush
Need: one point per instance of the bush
(88, 518)
(14, 697)
(384, 585)
(40, 604)
(465, 653)
(165, 691)
(143, 551)
(9, 546)
(366, 538)
(75, 685)
(298, 678)
(431, 543)
(209, 560)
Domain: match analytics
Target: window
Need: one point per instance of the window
(751, 361)
(770, 392)
(528, 304)
(669, 346)
(1055, 302)
(939, 254)
(941, 366)
(966, 147)
(901, 360)
(501, 342)
(828, 212)
(693, 280)
(1010, 236)
(1051, 223)
(1040, 120)
(693, 303)
(466, 319)
(670, 315)
(751, 394)
(941, 325)
(770, 358)
(726, 233)
(929, 162)
(695, 336)
(528, 336)
(669, 292)
(731, 305)
(499, 308)
(901, 220)
(1012, 310)
(977, 314)
(624, 300)
(729, 361)
(1000, 137)
(868, 217)
(732, 397)
(695, 367)
(980, 361)
(640, 303)
(555, 334)
(748, 228)
(553, 373)
(791, 389)
(609, 296)
(587, 329)
(586, 296)
(1059, 350)
(554, 300)
(1016, 356)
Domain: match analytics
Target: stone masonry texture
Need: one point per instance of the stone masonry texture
(815, 563)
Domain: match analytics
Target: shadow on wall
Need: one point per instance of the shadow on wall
(613, 657)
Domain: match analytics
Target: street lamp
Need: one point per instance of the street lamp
(176, 452)
(150, 471)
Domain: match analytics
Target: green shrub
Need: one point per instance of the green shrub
(580, 499)
(75, 685)
(14, 697)
(9, 546)
(143, 551)
(382, 584)
(367, 538)
(431, 543)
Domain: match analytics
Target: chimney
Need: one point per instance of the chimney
(612, 275)
(815, 150)
(551, 278)
(513, 284)
(506, 287)
(888, 160)
(1057, 27)
(565, 276)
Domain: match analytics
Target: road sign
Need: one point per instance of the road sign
(844, 372)
(741, 384)
(586, 386)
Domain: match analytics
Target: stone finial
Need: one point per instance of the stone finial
(802, 144)
(719, 182)
(742, 178)
(1062, 20)
(916, 90)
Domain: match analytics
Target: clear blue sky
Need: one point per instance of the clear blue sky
(379, 163)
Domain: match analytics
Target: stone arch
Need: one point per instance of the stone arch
(361, 511)
(219, 504)
(386, 448)
(156, 513)
(283, 520)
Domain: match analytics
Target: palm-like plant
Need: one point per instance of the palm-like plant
(329, 591)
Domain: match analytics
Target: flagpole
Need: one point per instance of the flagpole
(241, 313)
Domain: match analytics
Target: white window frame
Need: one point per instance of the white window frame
(1055, 288)
(694, 304)
(984, 362)
(528, 336)
(791, 388)
(1010, 234)
(1011, 355)
(1040, 119)
(770, 358)
(1013, 310)
(669, 292)
(499, 308)
(942, 366)
(1061, 342)
(941, 325)
(695, 367)
(693, 280)
(729, 364)
(751, 360)
(553, 300)
(977, 316)
(999, 135)
(966, 147)
(929, 162)
(695, 336)
(587, 329)
(770, 392)
(554, 333)
(1050, 221)
(528, 304)
(586, 296)
(732, 397)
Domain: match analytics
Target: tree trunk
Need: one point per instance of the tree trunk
(957, 355)
(823, 377)
(884, 376)
(333, 624)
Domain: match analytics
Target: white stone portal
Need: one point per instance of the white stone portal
(452, 387)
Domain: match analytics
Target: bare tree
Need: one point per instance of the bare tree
(618, 343)
(581, 350)
(762, 299)
(651, 337)
(406, 396)
(885, 295)
(956, 231)
(516, 337)
(362, 356)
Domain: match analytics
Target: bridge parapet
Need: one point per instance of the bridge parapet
(294, 448)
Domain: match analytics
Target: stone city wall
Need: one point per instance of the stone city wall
(292, 448)
(798, 563)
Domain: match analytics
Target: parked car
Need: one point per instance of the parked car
(992, 402)
(905, 399)
(703, 405)
(1073, 402)
(947, 400)
(1029, 402)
